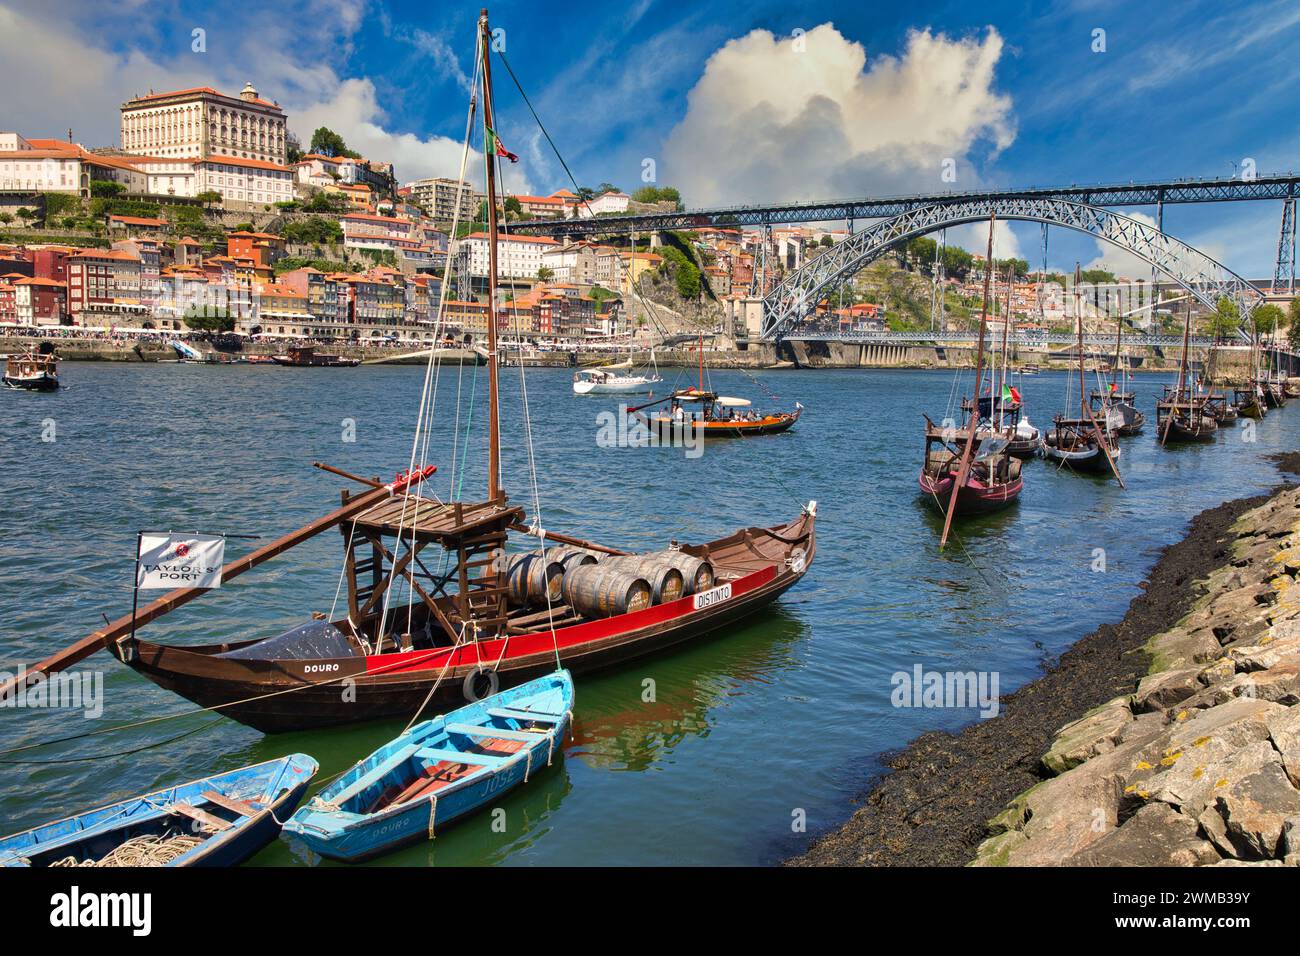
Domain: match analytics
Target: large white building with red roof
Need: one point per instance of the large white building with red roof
(201, 122)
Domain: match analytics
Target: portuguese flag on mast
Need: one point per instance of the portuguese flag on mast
(495, 148)
(1010, 394)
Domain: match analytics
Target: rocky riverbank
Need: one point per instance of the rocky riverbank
(1146, 744)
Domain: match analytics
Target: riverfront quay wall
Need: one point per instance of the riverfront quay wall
(816, 355)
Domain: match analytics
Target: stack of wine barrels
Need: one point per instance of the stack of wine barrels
(532, 578)
(697, 573)
(666, 582)
(602, 590)
(571, 557)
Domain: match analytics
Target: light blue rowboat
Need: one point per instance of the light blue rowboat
(438, 771)
(231, 815)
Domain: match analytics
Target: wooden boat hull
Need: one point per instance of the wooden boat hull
(666, 429)
(278, 695)
(1250, 410)
(974, 498)
(1274, 397)
(1090, 460)
(1182, 433)
(277, 786)
(413, 784)
(43, 382)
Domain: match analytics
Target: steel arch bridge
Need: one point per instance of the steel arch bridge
(1205, 278)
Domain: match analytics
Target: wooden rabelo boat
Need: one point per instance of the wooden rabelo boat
(1117, 403)
(32, 371)
(221, 820)
(1002, 411)
(961, 472)
(702, 412)
(306, 356)
(1184, 414)
(1082, 444)
(485, 617)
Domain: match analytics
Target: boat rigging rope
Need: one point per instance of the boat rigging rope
(636, 291)
(432, 378)
(121, 753)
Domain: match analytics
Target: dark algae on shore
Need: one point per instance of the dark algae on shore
(933, 808)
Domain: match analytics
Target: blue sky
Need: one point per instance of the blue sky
(1014, 93)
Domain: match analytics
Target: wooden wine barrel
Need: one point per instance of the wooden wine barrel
(570, 557)
(594, 590)
(667, 583)
(697, 573)
(532, 579)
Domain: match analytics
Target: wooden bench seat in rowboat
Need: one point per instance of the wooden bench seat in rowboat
(523, 714)
(242, 807)
(200, 816)
(475, 730)
(460, 756)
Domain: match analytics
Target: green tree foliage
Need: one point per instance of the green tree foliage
(106, 189)
(209, 320)
(1225, 319)
(209, 197)
(61, 204)
(1293, 324)
(545, 274)
(326, 142)
(654, 194)
(314, 230)
(290, 263)
(688, 282)
(512, 205)
(1268, 317)
(1096, 276)
(327, 202)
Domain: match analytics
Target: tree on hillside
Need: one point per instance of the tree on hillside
(209, 197)
(1225, 319)
(326, 142)
(106, 189)
(1268, 317)
(1293, 324)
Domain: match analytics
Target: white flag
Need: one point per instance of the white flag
(180, 561)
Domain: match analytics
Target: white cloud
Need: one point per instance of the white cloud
(353, 111)
(766, 121)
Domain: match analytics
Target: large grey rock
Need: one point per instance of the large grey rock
(1163, 690)
(1094, 733)
(1255, 809)
(1157, 835)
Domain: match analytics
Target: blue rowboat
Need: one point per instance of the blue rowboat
(217, 821)
(438, 771)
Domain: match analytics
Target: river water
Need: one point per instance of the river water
(745, 735)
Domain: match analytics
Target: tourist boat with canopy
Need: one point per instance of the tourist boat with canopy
(962, 472)
(438, 771)
(1081, 444)
(1184, 414)
(221, 820)
(700, 411)
(32, 371)
(505, 601)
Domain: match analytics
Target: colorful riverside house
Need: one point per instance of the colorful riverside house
(41, 301)
(282, 310)
(104, 287)
(8, 302)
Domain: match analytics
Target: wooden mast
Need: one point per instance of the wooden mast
(494, 413)
(964, 468)
(1085, 408)
(1182, 374)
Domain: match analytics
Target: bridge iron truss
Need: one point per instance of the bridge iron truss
(1205, 278)
(853, 210)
